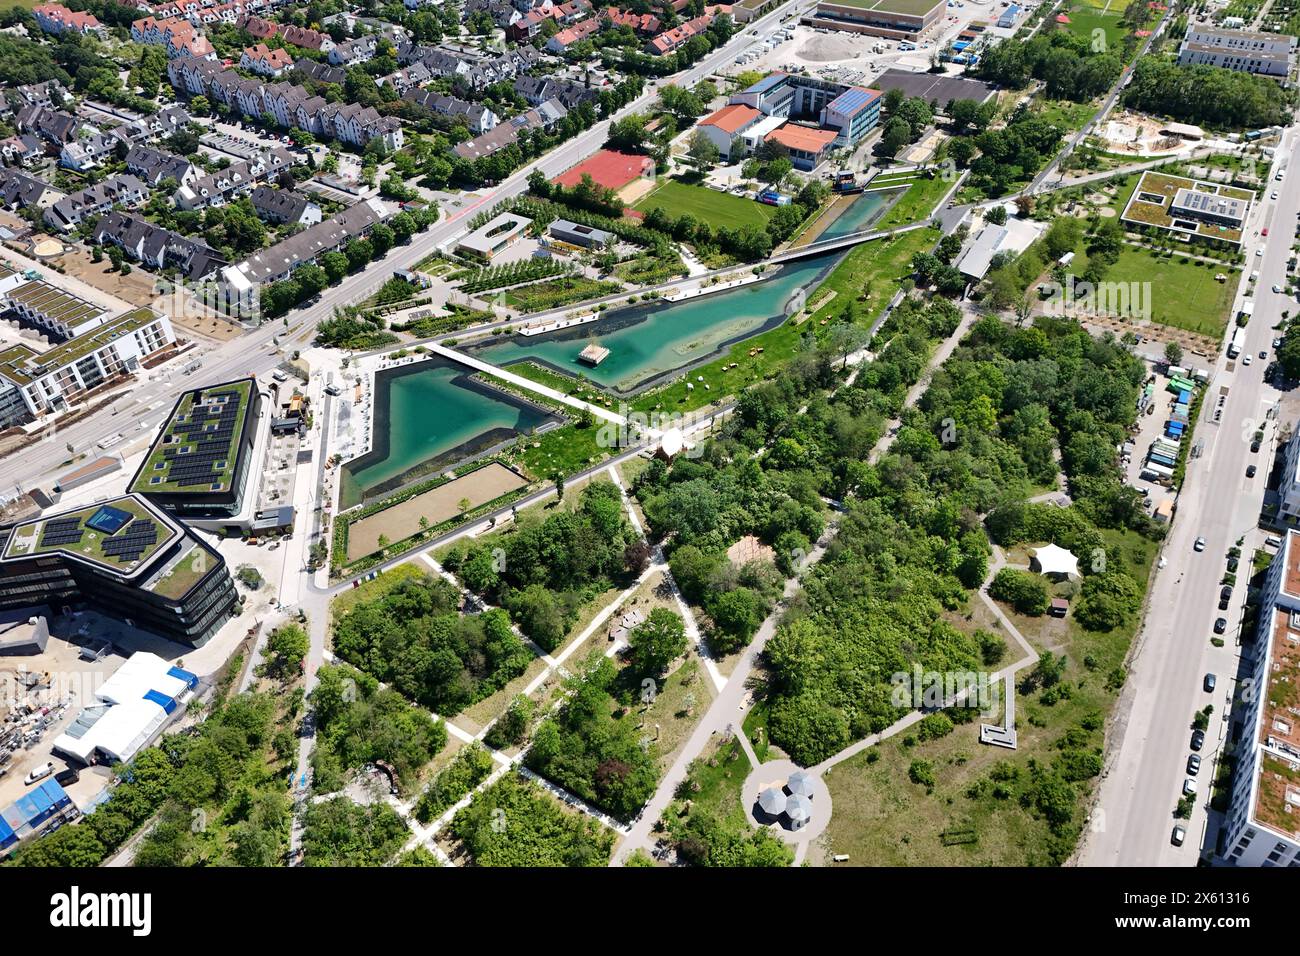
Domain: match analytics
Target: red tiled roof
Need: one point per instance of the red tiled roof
(801, 138)
(608, 168)
(731, 119)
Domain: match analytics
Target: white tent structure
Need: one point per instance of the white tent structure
(131, 708)
(773, 801)
(1055, 562)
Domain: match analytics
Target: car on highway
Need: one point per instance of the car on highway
(1198, 544)
(1220, 625)
(1198, 739)
(1277, 343)
(1263, 353)
(1259, 252)
(1246, 360)
(1273, 194)
(1254, 446)
(1250, 471)
(1189, 787)
(1277, 289)
(1194, 764)
(1264, 231)
(1179, 835)
(1209, 682)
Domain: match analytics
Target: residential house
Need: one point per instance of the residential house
(285, 206)
(241, 284)
(258, 28)
(478, 118)
(157, 247)
(53, 126)
(71, 210)
(20, 150)
(224, 185)
(507, 133)
(320, 72)
(354, 51)
(19, 191)
(265, 61)
(583, 30)
(57, 19)
(152, 166)
(306, 38)
(87, 152)
(669, 41)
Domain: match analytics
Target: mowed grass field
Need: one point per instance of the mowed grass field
(1087, 16)
(719, 210)
(1184, 295)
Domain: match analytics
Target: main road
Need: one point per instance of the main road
(1144, 775)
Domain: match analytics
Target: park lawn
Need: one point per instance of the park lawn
(561, 451)
(374, 590)
(882, 818)
(1085, 19)
(879, 266)
(920, 202)
(1066, 114)
(1183, 295)
(575, 385)
(720, 210)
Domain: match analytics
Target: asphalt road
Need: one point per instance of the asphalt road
(1144, 782)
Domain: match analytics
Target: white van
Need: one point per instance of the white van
(280, 376)
(39, 773)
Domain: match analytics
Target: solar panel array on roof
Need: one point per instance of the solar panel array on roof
(61, 531)
(139, 537)
(202, 441)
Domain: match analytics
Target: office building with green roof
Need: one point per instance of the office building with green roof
(200, 463)
(124, 557)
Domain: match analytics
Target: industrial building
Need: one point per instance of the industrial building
(893, 19)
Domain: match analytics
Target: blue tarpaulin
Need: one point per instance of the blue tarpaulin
(162, 700)
(7, 837)
(184, 675)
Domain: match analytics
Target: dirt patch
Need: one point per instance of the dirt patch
(829, 48)
(436, 506)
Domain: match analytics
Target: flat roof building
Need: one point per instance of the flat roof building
(576, 234)
(494, 236)
(35, 384)
(1261, 826)
(1264, 54)
(200, 463)
(125, 558)
(1190, 206)
(894, 19)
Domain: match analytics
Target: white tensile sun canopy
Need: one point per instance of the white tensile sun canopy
(1054, 560)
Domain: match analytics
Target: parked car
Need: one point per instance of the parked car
(1209, 682)
(66, 778)
(1179, 835)
(1254, 446)
(38, 773)
(1198, 739)
(1220, 625)
(1246, 360)
(1232, 564)
(1194, 764)
(1189, 787)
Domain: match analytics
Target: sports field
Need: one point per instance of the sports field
(718, 209)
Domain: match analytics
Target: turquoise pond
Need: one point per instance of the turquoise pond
(648, 343)
(428, 416)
